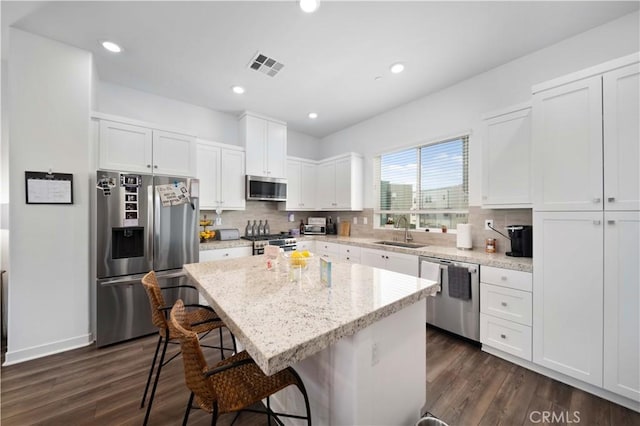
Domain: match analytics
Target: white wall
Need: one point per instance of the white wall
(4, 188)
(202, 122)
(302, 145)
(50, 99)
(459, 107)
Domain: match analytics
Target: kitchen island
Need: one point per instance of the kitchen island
(358, 344)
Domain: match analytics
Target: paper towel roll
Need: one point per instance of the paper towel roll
(463, 240)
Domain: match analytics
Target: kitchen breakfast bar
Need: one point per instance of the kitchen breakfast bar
(358, 344)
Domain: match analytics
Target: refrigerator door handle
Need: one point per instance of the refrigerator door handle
(151, 189)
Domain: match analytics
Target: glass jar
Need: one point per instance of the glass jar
(491, 245)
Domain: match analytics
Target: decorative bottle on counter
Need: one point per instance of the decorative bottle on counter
(260, 228)
(267, 230)
(301, 227)
(248, 231)
(254, 229)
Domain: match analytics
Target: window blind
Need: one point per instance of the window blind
(428, 184)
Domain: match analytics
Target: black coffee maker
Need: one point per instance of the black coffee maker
(521, 237)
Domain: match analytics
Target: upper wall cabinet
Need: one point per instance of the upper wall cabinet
(221, 173)
(132, 148)
(506, 165)
(340, 183)
(568, 144)
(265, 141)
(301, 184)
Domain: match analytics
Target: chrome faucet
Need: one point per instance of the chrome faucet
(407, 235)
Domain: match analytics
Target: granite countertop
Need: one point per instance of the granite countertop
(280, 322)
(216, 244)
(497, 260)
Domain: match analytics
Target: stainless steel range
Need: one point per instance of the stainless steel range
(284, 241)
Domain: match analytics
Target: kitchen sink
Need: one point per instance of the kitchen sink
(400, 244)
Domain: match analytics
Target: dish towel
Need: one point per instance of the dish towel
(459, 282)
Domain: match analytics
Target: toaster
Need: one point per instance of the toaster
(227, 234)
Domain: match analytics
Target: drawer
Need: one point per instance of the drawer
(506, 278)
(328, 249)
(506, 336)
(350, 258)
(506, 303)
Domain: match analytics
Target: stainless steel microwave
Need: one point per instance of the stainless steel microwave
(262, 188)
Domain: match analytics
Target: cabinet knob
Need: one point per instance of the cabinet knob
(611, 222)
(504, 303)
(226, 254)
(382, 256)
(596, 222)
(386, 257)
(596, 200)
(155, 166)
(148, 166)
(611, 199)
(503, 336)
(503, 278)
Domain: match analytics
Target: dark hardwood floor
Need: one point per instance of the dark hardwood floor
(465, 386)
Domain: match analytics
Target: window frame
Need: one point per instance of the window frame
(377, 164)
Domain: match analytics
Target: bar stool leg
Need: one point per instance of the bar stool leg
(155, 383)
(153, 365)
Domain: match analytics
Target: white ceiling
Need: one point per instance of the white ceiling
(195, 51)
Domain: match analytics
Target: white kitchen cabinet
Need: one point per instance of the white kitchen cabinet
(222, 176)
(328, 250)
(567, 147)
(622, 303)
(621, 92)
(506, 165)
(131, 148)
(350, 254)
(579, 162)
(265, 142)
(506, 310)
(301, 185)
(391, 261)
(340, 183)
(567, 293)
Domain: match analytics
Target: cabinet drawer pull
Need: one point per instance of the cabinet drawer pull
(503, 303)
(611, 222)
(503, 336)
(596, 222)
(596, 200)
(611, 199)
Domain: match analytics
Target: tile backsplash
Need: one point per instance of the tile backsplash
(278, 222)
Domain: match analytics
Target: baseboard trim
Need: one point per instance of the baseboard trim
(34, 352)
(602, 393)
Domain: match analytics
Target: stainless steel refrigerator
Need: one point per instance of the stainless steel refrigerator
(144, 223)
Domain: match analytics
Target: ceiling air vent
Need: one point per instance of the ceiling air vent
(266, 65)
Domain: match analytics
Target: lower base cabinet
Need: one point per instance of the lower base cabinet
(505, 310)
(397, 262)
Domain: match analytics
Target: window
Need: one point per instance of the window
(428, 185)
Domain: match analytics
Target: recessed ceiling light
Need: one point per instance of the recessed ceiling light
(309, 6)
(239, 90)
(397, 68)
(111, 46)
(313, 115)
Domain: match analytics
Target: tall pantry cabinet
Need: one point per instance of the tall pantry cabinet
(586, 192)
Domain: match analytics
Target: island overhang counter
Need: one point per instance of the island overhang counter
(358, 343)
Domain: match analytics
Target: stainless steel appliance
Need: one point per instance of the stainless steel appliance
(137, 230)
(316, 226)
(261, 188)
(284, 241)
(456, 315)
(227, 234)
(521, 237)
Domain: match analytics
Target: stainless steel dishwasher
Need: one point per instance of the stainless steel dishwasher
(458, 316)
